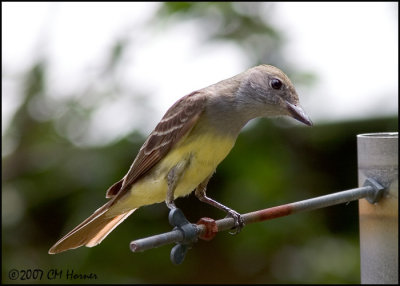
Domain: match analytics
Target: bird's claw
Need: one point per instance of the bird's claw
(238, 219)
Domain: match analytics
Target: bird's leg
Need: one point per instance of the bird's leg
(172, 179)
(201, 195)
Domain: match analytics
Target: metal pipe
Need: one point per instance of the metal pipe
(378, 158)
(156, 240)
(207, 228)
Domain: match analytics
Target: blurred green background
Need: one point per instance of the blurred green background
(50, 183)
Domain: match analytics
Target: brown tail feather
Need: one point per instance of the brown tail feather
(91, 231)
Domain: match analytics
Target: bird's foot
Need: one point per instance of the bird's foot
(238, 219)
(170, 204)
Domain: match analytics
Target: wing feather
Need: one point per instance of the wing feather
(175, 124)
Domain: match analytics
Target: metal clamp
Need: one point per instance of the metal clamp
(189, 233)
(377, 190)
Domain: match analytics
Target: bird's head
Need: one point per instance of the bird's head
(266, 91)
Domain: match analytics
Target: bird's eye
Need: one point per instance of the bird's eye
(276, 83)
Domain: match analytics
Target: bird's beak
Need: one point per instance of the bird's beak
(298, 113)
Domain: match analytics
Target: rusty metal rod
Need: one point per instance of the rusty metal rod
(207, 231)
(305, 205)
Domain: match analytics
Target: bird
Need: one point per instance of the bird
(183, 151)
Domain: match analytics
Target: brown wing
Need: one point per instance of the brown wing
(177, 122)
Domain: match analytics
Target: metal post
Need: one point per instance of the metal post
(378, 159)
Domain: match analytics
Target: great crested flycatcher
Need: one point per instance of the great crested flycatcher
(182, 152)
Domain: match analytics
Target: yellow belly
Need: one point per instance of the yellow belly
(205, 152)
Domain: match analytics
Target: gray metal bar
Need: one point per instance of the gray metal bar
(176, 236)
(332, 199)
(378, 158)
(304, 205)
(156, 240)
